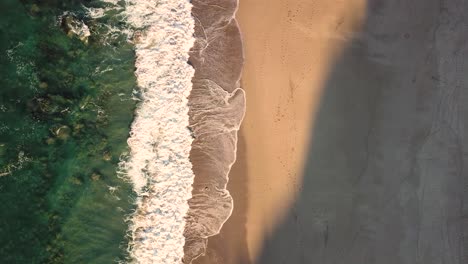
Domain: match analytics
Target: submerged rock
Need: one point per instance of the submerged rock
(74, 27)
(63, 132)
(107, 156)
(95, 177)
(43, 85)
(77, 128)
(34, 9)
(76, 181)
(2, 149)
(50, 141)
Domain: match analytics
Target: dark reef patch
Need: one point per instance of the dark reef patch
(65, 112)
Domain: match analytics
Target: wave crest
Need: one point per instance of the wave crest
(160, 141)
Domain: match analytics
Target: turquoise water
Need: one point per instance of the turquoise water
(65, 113)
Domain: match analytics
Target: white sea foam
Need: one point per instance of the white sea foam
(160, 141)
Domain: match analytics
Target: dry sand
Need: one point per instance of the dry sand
(353, 146)
(289, 48)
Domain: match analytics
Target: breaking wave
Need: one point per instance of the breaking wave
(160, 141)
(184, 135)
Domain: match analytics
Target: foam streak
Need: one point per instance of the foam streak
(216, 110)
(160, 140)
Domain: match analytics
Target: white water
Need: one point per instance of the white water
(160, 141)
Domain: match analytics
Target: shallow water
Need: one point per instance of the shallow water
(217, 107)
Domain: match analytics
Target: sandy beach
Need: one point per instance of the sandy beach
(289, 46)
(288, 56)
(352, 147)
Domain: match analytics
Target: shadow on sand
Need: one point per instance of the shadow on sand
(382, 182)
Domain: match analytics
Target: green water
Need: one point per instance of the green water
(63, 127)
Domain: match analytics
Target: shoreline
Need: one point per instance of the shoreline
(287, 58)
(230, 245)
(216, 109)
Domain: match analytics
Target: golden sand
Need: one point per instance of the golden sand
(289, 47)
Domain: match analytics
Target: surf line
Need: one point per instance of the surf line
(160, 141)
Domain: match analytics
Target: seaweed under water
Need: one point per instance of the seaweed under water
(65, 112)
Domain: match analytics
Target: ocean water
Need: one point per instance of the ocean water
(66, 109)
(118, 128)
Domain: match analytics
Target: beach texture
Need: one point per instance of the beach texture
(217, 107)
(121, 137)
(352, 147)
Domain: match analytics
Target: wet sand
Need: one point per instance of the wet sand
(216, 109)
